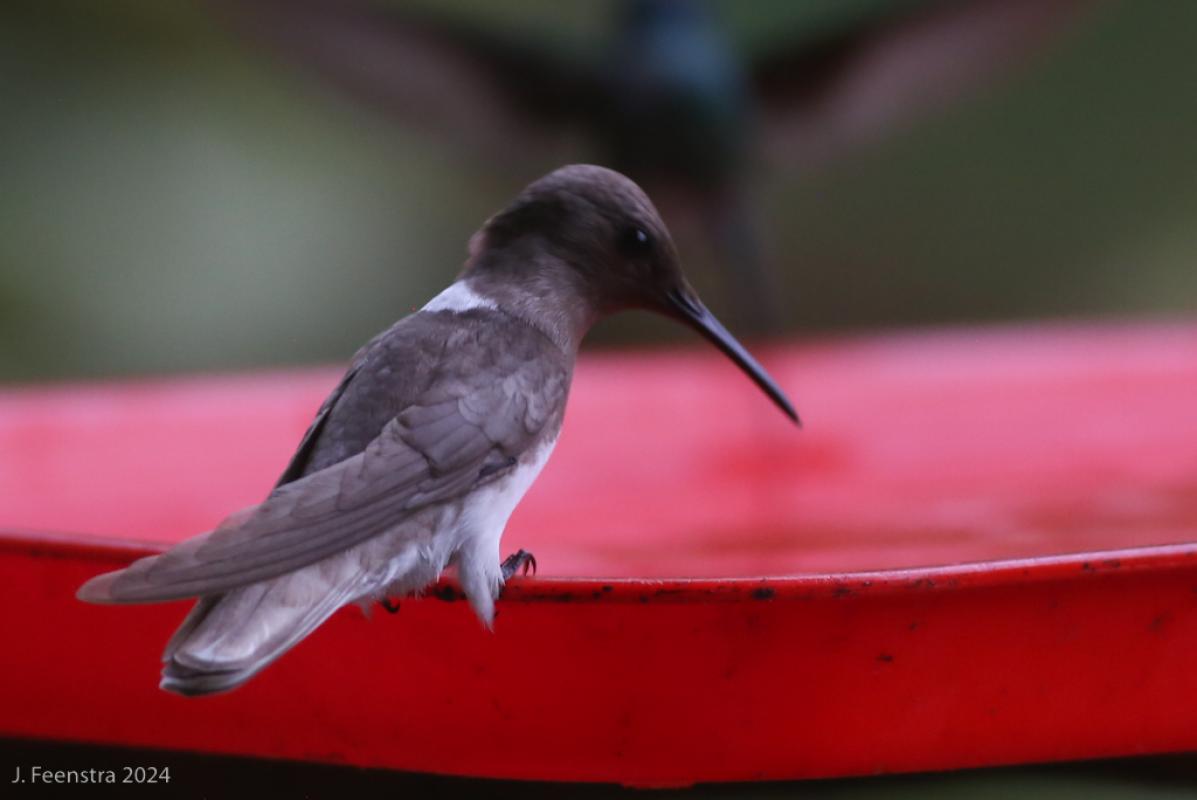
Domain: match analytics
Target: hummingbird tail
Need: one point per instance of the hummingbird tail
(228, 638)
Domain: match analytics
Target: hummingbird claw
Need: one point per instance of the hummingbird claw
(388, 606)
(520, 561)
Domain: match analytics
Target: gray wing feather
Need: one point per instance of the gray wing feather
(303, 453)
(430, 452)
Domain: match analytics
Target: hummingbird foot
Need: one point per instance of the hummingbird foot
(389, 606)
(520, 561)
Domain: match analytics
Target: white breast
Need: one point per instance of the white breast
(483, 519)
(458, 297)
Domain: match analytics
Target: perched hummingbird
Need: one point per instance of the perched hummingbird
(418, 457)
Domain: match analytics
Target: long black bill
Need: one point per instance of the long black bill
(695, 314)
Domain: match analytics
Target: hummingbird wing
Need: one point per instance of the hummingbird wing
(469, 420)
(298, 465)
(860, 84)
(496, 91)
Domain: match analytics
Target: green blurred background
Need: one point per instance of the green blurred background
(176, 200)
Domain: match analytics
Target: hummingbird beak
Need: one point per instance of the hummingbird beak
(690, 310)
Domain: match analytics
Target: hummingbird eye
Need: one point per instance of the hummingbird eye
(635, 242)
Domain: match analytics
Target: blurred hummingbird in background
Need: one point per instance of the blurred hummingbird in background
(668, 99)
(441, 423)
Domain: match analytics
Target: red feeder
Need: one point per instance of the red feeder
(980, 551)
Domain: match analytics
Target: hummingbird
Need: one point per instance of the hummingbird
(416, 460)
(666, 95)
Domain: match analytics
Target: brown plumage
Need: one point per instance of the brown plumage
(417, 458)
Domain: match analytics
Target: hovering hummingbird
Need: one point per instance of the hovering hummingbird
(441, 423)
(667, 97)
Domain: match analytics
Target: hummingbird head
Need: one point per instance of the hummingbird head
(584, 242)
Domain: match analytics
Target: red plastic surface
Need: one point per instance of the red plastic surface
(982, 549)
